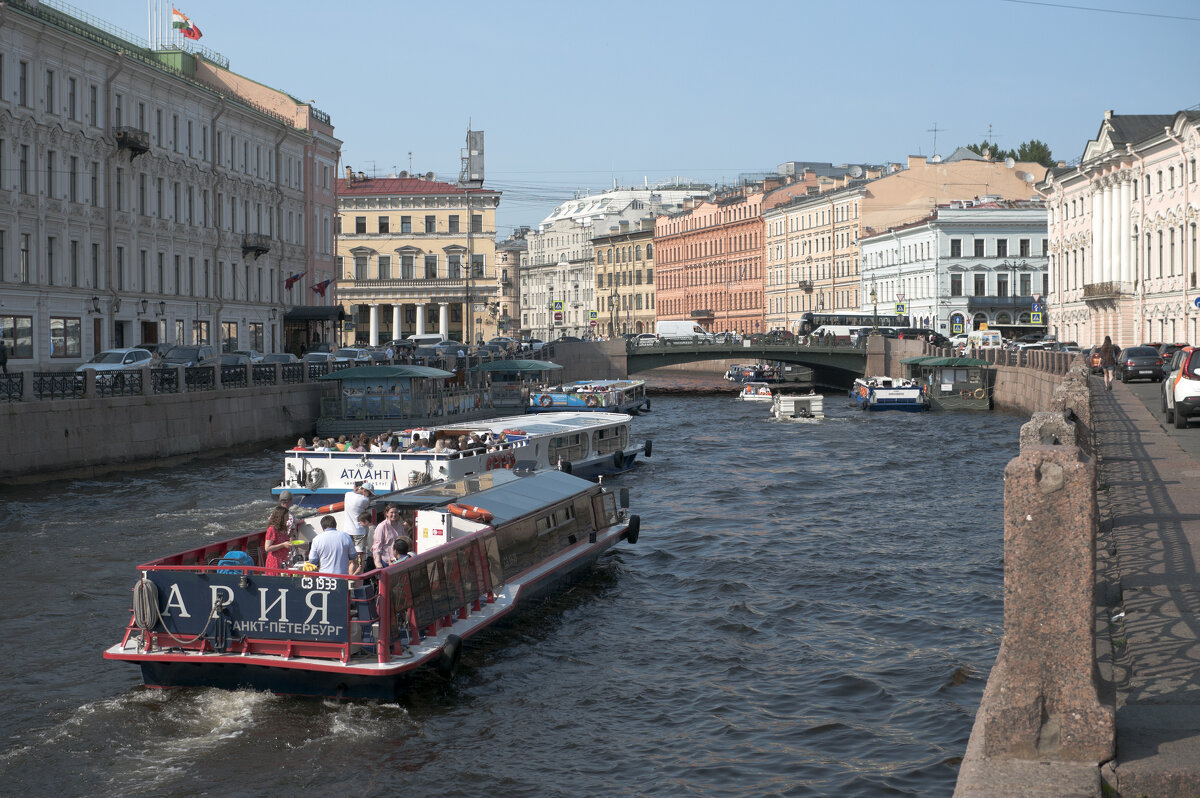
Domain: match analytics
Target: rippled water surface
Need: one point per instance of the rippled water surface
(812, 609)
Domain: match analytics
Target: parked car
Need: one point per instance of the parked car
(130, 357)
(158, 350)
(234, 359)
(254, 355)
(190, 355)
(532, 345)
(567, 339)
(727, 337)
(645, 339)
(1182, 389)
(448, 347)
(958, 342)
(319, 357)
(401, 346)
(280, 357)
(1139, 362)
(923, 333)
(491, 350)
(504, 340)
(1166, 350)
(354, 354)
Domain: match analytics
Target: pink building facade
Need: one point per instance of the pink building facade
(1123, 233)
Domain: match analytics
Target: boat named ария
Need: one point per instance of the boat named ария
(213, 617)
(584, 444)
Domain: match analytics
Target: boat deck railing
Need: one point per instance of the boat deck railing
(385, 611)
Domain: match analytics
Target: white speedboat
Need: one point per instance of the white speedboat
(756, 392)
(788, 406)
(586, 444)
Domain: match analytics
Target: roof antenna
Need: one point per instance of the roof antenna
(934, 131)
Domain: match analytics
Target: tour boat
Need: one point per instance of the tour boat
(751, 372)
(597, 396)
(756, 392)
(787, 406)
(584, 444)
(888, 393)
(212, 616)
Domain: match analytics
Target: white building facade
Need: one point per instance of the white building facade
(141, 203)
(558, 272)
(1123, 233)
(967, 265)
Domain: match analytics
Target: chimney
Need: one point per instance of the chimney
(624, 225)
(916, 160)
(349, 176)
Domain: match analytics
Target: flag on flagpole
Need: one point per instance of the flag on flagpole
(320, 287)
(289, 282)
(181, 23)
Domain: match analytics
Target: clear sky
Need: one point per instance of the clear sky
(574, 96)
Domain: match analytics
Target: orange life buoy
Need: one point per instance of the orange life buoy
(546, 400)
(337, 507)
(510, 460)
(862, 391)
(470, 513)
(590, 400)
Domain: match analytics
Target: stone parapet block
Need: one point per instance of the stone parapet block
(1046, 704)
(1048, 429)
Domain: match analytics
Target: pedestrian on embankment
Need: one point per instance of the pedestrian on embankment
(1108, 360)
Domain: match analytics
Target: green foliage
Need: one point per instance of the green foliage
(1029, 151)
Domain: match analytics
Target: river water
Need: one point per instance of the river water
(812, 609)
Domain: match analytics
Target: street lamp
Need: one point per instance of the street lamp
(874, 306)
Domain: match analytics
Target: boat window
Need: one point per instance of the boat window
(568, 447)
(556, 518)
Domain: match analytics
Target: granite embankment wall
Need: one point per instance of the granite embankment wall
(62, 438)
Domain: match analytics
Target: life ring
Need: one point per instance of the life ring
(619, 458)
(491, 462)
(862, 391)
(980, 393)
(314, 479)
(336, 507)
(545, 401)
(470, 513)
(965, 394)
(590, 400)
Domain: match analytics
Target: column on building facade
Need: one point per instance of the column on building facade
(1125, 243)
(420, 307)
(444, 319)
(396, 316)
(1093, 273)
(373, 334)
(1114, 228)
(1104, 244)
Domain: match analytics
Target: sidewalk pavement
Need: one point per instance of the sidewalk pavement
(1149, 501)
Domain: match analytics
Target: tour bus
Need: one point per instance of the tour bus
(809, 322)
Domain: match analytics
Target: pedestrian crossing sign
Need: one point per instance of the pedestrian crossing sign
(592, 314)
(901, 308)
(557, 305)
(1035, 318)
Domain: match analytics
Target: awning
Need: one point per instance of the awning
(315, 313)
(955, 361)
(517, 365)
(385, 372)
(917, 361)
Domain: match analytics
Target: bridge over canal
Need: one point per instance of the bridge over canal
(831, 365)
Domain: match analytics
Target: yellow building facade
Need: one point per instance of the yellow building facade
(625, 280)
(416, 256)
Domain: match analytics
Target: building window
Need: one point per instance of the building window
(23, 260)
(23, 84)
(385, 267)
(360, 267)
(66, 337)
(477, 266)
(980, 284)
(431, 267)
(978, 247)
(1024, 247)
(1026, 285)
(360, 225)
(384, 225)
(1001, 285)
(453, 223)
(956, 247)
(23, 173)
(476, 223)
(16, 332)
(430, 224)
(93, 107)
(406, 267)
(956, 287)
(406, 224)
(72, 110)
(1001, 247)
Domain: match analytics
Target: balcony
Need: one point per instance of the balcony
(1098, 292)
(805, 285)
(702, 314)
(1000, 302)
(255, 244)
(132, 139)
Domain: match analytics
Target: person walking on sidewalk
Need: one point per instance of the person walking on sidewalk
(1108, 359)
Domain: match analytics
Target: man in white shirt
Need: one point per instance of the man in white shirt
(354, 504)
(332, 550)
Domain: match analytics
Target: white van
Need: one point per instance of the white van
(984, 339)
(426, 339)
(682, 332)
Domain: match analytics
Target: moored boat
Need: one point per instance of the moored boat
(213, 616)
(756, 392)
(888, 393)
(597, 396)
(584, 444)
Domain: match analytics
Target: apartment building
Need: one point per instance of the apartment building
(150, 199)
(625, 279)
(416, 255)
(1122, 230)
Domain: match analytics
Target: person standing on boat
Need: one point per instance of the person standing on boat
(278, 541)
(355, 503)
(285, 503)
(391, 528)
(1108, 360)
(332, 551)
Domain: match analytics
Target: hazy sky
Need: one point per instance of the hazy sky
(574, 96)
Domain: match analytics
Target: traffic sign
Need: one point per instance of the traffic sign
(956, 328)
(1198, 301)
(1035, 318)
(557, 305)
(592, 315)
(1038, 307)
(558, 317)
(901, 308)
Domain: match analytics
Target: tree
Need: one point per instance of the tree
(988, 149)
(1037, 151)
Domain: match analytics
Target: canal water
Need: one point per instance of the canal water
(812, 609)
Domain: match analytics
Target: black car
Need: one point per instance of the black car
(932, 336)
(1139, 363)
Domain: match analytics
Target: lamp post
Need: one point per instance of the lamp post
(874, 306)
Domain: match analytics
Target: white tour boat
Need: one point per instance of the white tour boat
(889, 393)
(787, 406)
(756, 392)
(586, 444)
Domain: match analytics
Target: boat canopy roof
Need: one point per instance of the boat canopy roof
(937, 360)
(517, 365)
(385, 372)
(500, 492)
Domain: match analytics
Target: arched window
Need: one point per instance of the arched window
(978, 321)
(649, 251)
(639, 251)
(1003, 318)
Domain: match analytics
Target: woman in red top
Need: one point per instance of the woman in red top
(278, 541)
